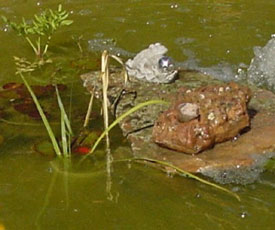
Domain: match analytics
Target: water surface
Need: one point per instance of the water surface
(33, 195)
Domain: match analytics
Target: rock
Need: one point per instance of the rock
(241, 155)
(202, 117)
(152, 65)
(261, 71)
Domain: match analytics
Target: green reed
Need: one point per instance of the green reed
(38, 33)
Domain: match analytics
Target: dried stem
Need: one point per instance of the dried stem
(89, 111)
(105, 81)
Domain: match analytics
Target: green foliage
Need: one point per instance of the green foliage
(41, 28)
(66, 130)
(43, 25)
(24, 66)
(43, 117)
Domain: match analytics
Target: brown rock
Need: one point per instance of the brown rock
(239, 160)
(202, 117)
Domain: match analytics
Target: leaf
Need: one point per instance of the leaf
(184, 173)
(38, 19)
(67, 22)
(59, 8)
(43, 117)
(5, 19)
(42, 25)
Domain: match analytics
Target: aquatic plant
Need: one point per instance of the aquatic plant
(38, 33)
(119, 119)
(66, 130)
(39, 30)
(43, 116)
(104, 75)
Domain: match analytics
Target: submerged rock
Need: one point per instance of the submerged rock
(241, 154)
(201, 117)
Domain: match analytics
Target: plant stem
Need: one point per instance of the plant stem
(61, 107)
(46, 46)
(39, 47)
(184, 173)
(43, 117)
(63, 135)
(88, 114)
(33, 46)
(105, 80)
(120, 118)
(126, 77)
(66, 130)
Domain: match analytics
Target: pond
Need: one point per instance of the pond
(217, 36)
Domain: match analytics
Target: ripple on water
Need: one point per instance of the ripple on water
(84, 12)
(109, 44)
(183, 40)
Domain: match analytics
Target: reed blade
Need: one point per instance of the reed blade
(43, 116)
(120, 118)
(66, 130)
(62, 109)
(184, 173)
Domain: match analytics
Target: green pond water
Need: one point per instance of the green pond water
(35, 193)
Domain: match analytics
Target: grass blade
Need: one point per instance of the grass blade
(66, 130)
(61, 107)
(184, 173)
(43, 117)
(89, 110)
(63, 135)
(120, 118)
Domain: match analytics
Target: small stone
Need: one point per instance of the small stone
(202, 96)
(211, 116)
(188, 111)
